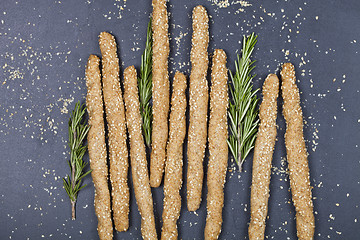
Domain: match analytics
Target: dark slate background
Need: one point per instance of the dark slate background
(44, 46)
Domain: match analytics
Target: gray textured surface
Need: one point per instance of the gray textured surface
(43, 50)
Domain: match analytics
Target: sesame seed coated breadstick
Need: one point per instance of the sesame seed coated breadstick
(199, 98)
(174, 161)
(139, 167)
(115, 116)
(297, 155)
(218, 148)
(263, 152)
(97, 148)
(160, 91)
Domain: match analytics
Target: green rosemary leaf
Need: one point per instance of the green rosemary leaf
(243, 112)
(145, 87)
(78, 130)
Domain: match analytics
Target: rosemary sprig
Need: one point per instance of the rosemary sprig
(243, 112)
(145, 87)
(78, 130)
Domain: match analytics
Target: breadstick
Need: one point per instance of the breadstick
(263, 152)
(174, 161)
(297, 155)
(97, 148)
(138, 162)
(160, 91)
(218, 148)
(115, 116)
(199, 98)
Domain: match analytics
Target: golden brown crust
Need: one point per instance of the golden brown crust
(160, 91)
(174, 161)
(218, 148)
(199, 98)
(97, 148)
(297, 155)
(139, 167)
(263, 152)
(115, 116)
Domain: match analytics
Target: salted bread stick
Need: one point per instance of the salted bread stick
(218, 148)
(115, 116)
(297, 155)
(199, 98)
(97, 148)
(174, 160)
(263, 152)
(160, 91)
(138, 162)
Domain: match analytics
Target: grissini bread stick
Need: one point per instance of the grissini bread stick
(218, 148)
(138, 161)
(160, 91)
(97, 148)
(297, 155)
(115, 116)
(199, 98)
(263, 152)
(174, 161)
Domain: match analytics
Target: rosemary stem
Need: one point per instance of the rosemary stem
(239, 148)
(73, 164)
(72, 186)
(239, 157)
(72, 175)
(73, 209)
